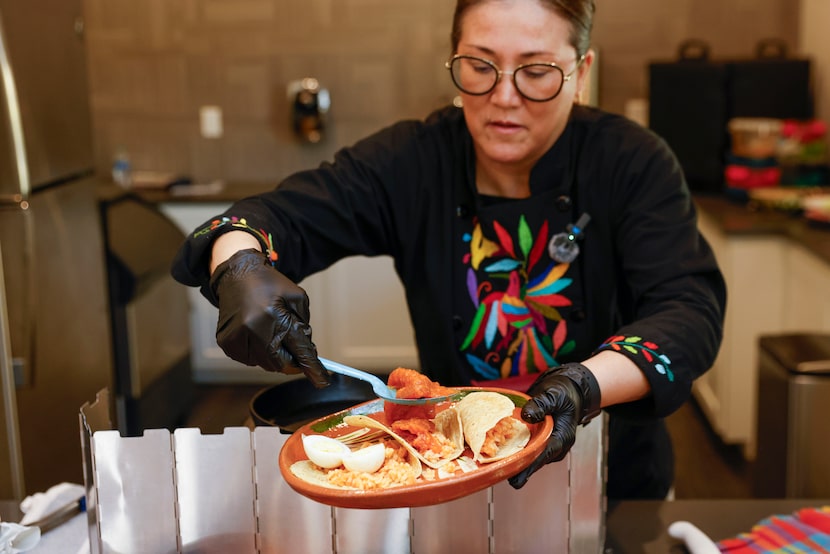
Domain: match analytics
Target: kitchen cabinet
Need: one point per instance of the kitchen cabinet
(753, 268)
(807, 297)
(775, 285)
(358, 314)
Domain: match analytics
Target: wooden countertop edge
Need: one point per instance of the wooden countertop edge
(732, 217)
(229, 192)
(735, 218)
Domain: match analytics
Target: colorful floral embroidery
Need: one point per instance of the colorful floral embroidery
(637, 346)
(517, 316)
(241, 223)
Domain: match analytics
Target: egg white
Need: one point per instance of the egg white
(324, 451)
(368, 459)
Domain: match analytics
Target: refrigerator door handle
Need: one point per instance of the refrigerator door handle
(12, 107)
(24, 362)
(9, 397)
(19, 199)
(22, 350)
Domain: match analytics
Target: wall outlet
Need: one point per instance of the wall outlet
(210, 122)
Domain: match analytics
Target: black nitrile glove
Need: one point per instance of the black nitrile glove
(571, 395)
(263, 317)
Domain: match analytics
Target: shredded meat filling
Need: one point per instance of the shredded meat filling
(420, 433)
(496, 437)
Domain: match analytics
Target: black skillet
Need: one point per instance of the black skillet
(292, 404)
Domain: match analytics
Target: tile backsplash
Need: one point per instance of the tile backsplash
(154, 63)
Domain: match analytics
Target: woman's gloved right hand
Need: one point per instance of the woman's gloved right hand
(570, 393)
(264, 317)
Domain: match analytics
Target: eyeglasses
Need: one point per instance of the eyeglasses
(538, 82)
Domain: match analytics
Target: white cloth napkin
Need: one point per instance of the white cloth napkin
(70, 537)
(16, 538)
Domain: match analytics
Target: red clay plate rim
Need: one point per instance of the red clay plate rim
(421, 494)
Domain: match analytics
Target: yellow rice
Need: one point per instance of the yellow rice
(395, 471)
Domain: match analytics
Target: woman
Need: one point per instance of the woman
(540, 243)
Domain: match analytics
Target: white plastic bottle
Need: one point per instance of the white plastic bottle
(121, 169)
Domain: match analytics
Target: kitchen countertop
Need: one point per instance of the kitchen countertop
(733, 217)
(203, 193)
(642, 525)
(737, 218)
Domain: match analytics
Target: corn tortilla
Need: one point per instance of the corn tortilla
(480, 412)
(447, 422)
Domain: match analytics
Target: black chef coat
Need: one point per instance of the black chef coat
(485, 298)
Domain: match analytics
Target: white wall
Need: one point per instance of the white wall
(814, 41)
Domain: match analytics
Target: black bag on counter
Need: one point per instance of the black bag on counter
(692, 99)
(688, 108)
(770, 85)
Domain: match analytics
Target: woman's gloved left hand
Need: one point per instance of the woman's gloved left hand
(571, 395)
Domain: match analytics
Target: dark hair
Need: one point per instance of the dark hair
(579, 13)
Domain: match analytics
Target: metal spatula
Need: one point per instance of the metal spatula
(380, 388)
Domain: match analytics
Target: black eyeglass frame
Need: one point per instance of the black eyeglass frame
(565, 76)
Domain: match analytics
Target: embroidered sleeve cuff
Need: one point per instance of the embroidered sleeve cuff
(668, 389)
(225, 224)
(643, 352)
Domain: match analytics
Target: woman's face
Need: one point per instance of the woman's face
(507, 128)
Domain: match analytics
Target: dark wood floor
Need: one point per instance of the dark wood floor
(220, 406)
(705, 467)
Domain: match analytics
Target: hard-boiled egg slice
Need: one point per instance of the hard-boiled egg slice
(367, 459)
(324, 451)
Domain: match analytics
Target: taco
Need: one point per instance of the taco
(400, 467)
(435, 442)
(489, 427)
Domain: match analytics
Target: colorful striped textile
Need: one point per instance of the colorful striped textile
(804, 531)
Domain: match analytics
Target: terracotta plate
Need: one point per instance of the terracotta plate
(422, 493)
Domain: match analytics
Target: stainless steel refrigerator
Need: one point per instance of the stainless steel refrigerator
(57, 343)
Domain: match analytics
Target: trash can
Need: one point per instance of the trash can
(793, 417)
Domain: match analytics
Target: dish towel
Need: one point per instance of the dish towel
(16, 538)
(804, 531)
(68, 537)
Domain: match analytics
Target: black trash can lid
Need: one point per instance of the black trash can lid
(799, 352)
